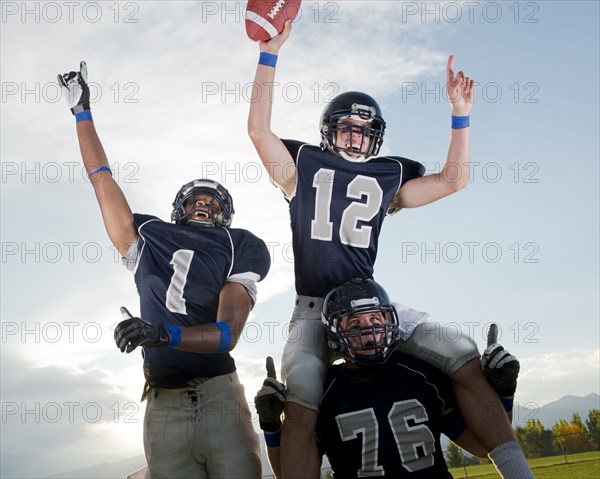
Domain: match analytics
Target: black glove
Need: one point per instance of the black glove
(134, 332)
(500, 368)
(75, 89)
(269, 400)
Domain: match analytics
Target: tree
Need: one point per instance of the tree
(535, 440)
(573, 436)
(593, 426)
(454, 455)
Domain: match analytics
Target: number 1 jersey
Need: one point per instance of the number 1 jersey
(179, 271)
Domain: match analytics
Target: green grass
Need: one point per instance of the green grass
(579, 466)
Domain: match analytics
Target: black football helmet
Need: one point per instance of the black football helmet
(355, 297)
(358, 106)
(211, 188)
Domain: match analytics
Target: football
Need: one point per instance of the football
(266, 18)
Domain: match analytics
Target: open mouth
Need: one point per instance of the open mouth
(200, 215)
(354, 152)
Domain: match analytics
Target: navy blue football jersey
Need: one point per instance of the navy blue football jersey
(386, 420)
(337, 211)
(179, 271)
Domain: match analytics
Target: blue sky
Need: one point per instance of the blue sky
(518, 247)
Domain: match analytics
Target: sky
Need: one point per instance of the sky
(171, 88)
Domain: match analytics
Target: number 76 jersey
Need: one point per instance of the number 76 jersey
(386, 421)
(337, 211)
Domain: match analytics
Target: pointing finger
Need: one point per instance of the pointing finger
(83, 70)
(450, 70)
(271, 373)
(492, 337)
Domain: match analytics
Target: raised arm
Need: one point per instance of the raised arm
(455, 173)
(117, 216)
(271, 150)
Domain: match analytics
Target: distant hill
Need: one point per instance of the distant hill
(554, 411)
(548, 415)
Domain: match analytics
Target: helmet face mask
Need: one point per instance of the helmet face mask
(352, 114)
(367, 345)
(217, 193)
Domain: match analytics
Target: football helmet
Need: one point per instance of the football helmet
(357, 106)
(359, 296)
(211, 188)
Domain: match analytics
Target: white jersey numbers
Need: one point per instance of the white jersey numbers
(363, 422)
(351, 233)
(181, 261)
(412, 439)
(415, 442)
(321, 226)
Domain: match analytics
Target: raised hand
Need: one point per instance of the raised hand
(274, 44)
(75, 89)
(499, 366)
(269, 400)
(460, 90)
(133, 332)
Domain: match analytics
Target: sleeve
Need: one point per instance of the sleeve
(132, 257)
(452, 421)
(453, 424)
(251, 261)
(293, 146)
(411, 170)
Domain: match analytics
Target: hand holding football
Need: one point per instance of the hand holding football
(266, 18)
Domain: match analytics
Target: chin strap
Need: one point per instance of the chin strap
(205, 224)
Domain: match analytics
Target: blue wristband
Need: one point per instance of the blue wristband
(507, 403)
(85, 115)
(460, 122)
(175, 332)
(267, 59)
(225, 341)
(102, 168)
(273, 439)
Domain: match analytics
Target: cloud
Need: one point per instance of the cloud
(172, 84)
(547, 377)
(70, 417)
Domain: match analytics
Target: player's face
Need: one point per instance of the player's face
(350, 136)
(197, 208)
(363, 341)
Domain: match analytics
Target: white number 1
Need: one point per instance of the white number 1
(181, 261)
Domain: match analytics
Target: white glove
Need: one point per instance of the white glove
(75, 89)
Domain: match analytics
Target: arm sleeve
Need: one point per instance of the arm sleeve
(251, 261)
(247, 283)
(411, 170)
(132, 257)
(293, 146)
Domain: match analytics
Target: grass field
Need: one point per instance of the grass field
(579, 466)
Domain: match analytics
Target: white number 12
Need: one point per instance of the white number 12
(350, 233)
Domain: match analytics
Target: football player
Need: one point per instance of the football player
(382, 411)
(338, 194)
(196, 279)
